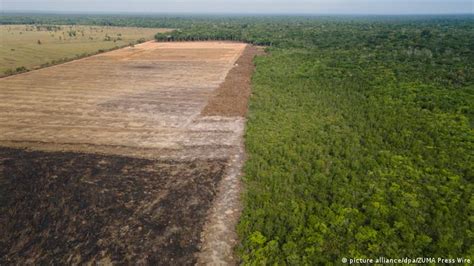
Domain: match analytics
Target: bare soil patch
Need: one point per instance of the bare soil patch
(110, 159)
(231, 98)
(141, 101)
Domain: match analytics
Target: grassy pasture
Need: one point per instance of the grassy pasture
(33, 46)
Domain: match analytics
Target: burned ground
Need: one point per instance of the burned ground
(74, 208)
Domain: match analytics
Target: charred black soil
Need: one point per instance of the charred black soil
(63, 208)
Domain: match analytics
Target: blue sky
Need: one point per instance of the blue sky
(246, 6)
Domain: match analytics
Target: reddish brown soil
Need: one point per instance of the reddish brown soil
(63, 208)
(231, 98)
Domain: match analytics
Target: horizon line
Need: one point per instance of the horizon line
(62, 12)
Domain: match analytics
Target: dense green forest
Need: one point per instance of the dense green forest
(359, 137)
(360, 133)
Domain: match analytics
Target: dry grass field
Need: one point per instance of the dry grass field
(31, 46)
(111, 158)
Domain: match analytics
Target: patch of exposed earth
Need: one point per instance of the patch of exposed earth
(125, 157)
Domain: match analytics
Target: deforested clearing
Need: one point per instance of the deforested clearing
(109, 159)
(26, 47)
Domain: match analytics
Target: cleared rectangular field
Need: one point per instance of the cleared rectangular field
(31, 46)
(134, 101)
(110, 158)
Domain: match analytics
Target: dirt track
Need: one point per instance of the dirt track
(109, 159)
